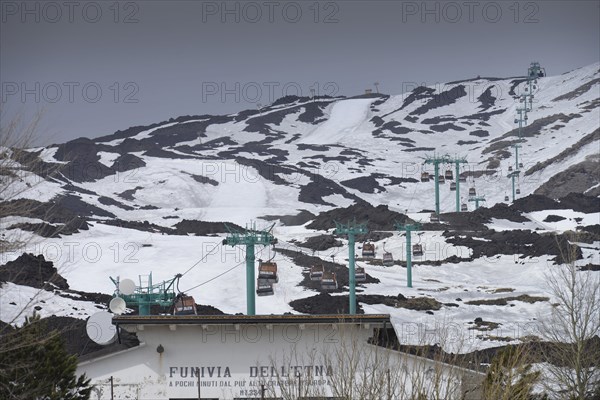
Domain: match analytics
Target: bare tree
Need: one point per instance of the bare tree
(16, 136)
(573, 328)
(22, 171)
(510, 375)
(363, 371)
(290, 380)
(18, 168)
(354, 368)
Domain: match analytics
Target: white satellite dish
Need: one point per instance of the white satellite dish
(117, 305)
(127, 286)
(100, 329)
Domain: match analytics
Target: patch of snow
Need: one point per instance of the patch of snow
(107, 158)
(18, 302)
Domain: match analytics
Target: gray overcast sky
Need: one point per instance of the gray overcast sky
(97, 67)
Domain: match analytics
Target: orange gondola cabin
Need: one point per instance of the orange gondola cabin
(184, 305)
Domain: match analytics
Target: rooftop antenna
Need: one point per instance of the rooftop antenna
(117, 305)
(376, 87)
(100, 329)
(144, 295)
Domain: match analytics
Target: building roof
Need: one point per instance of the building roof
(377, 319)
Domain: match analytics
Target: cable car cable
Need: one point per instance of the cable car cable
(203, 258)
(223, 273)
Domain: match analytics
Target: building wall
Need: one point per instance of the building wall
(228, 362)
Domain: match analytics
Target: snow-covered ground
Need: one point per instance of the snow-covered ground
(217, 278)
(18, 302)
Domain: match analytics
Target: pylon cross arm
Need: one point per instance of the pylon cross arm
(341, 229)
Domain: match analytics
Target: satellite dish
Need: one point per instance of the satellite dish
(127, 286)
(100, 329)
(117, 305)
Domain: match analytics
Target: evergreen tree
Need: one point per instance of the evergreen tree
(34, 364)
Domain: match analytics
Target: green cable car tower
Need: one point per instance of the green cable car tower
(436, 161)
(408, 228)
(351, 230)
(522, 121)
(445, 159)
(249, 238)
(534, 72)
(476, 200)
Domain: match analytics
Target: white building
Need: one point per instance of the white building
(269, 356)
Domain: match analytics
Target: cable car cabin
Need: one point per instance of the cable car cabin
(388, 259)
(463, 207)
(520, 165)
(506, 198)
(264, 288)
(360, 275)
(268, 271)
(185, 305)
(472, 191)
(329, 281)
(510, 168)
(453, 186)
(424, 177)
(448, 175)
(434, 218)
(518, 191)
(368, 250)
(316, 272)
(462, 179)
(441, 179)
(417, 250)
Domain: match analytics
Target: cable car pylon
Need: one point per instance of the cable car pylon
(351, 230)
(249, 238)
(457, 161)
(477, 200)
(515, 174)
(445, 159)
(533, 72)
(408, 228)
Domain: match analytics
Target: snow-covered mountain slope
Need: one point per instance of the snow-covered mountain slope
(370, 148)
(140, 200)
